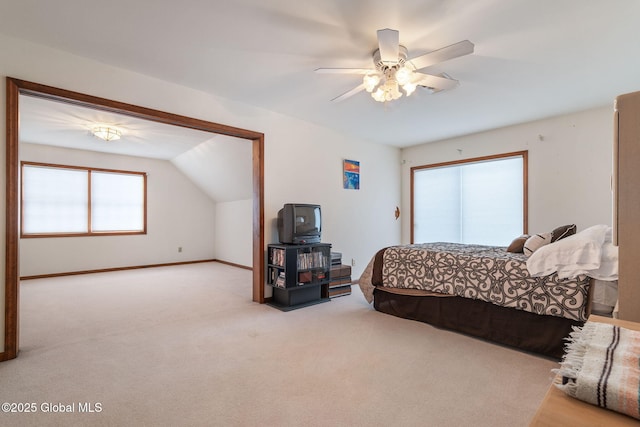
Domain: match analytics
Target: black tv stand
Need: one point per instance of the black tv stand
(298, 274)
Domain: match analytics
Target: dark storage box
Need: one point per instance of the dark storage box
(295, 296)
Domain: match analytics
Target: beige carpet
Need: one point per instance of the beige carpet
(184, 345)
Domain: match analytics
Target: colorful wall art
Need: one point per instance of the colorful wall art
(351, 174)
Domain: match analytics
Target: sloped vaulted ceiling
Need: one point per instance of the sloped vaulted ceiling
(219, 165)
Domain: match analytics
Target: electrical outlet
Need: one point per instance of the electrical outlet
(179, 248)
(353, 262)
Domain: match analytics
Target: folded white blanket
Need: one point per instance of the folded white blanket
(601, 367)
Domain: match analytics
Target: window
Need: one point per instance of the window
(70, 201)
(478, 201)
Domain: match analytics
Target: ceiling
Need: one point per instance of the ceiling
(532, 59)
(212, 162)
(67, 125)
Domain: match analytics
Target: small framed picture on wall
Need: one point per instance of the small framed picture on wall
(351, 174)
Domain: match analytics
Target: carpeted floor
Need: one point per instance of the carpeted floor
(185, 345)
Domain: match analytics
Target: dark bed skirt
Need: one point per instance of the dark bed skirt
(544, 335)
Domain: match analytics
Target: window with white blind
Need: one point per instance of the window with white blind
(70, 201)
(475, 201)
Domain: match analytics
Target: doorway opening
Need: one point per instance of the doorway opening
(15, 88)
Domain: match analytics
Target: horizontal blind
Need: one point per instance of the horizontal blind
(54, 200)
(437, 205)
(472, 203)
(491, 194)
(117, 202)
(72, 200)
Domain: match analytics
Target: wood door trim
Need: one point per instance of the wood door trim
(15, 88)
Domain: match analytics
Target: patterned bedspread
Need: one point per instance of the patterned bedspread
(486, 273)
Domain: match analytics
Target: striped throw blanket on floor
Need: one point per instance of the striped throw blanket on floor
(601, 366)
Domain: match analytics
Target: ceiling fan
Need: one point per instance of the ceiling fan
(393, 69)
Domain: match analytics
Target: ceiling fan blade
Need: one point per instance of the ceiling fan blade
(389, 44)
(344, 70)
(446, 53)
(436, 82)
(349, 93)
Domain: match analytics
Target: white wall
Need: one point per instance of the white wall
(355, 222)
(570, 166)
(303, 162)
(233, 232)
(178, 215)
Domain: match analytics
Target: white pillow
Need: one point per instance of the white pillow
(571, 256)
(535, 242)
(607, 270)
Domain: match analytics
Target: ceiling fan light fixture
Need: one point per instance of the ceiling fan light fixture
(378, 95)
(393, 68)
(392, 77)
(409, 88)
(388, 91)
(404, 75)
(107, 133)
(370, 82)
(391, 89)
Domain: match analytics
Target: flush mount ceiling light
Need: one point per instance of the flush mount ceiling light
(394, 70)
(106, 133)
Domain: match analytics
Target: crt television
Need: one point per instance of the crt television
(299, 223)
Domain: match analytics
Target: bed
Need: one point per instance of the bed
(487, 291)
